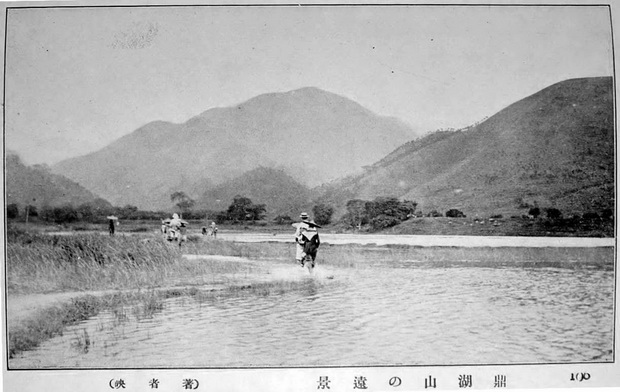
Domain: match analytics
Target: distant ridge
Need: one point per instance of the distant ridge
(38, 186)
(313, 135)
(280, 193)
(554, 148)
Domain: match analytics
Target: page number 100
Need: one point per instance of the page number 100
(579, 376)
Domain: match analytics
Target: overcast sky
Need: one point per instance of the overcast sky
(77, 79)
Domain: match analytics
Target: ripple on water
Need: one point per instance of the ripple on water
(379, 316)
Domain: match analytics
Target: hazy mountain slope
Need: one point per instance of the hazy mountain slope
(555, 148)
(280, 193)
(38, 186)
(315, 136)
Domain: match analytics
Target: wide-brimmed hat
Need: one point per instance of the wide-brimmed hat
(304, 215)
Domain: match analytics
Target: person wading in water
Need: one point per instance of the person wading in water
(307, 240)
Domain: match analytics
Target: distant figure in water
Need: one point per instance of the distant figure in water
(307, 240)
(211, 231)
(174, 228)
(177, 229)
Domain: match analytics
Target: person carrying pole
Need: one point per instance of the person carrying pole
(307, 240)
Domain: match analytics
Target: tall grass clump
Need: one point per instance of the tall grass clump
(43, 263)
(51, 322)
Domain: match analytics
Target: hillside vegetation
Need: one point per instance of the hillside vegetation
(554, 149)
(280, 193)
(38, 186)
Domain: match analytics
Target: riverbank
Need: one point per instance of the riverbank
(34, 318)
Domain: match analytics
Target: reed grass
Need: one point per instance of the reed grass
(79, 262)
(51, 322)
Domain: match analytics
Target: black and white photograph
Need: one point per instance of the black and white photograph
(286, 188)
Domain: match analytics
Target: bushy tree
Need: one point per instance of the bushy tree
(181, 200)
(63, 214)
(323, 213)
(12, 211)
(434, 214)
(243, 209)
(85, 212)
(380, 213)
(32, 210)
(534, 211)
(356, 213)
(127, 212)
(390, 206)
(257, 212)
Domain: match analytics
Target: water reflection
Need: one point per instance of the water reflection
(413, 314)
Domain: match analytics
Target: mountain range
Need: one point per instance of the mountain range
(554, 149)
(312, 135)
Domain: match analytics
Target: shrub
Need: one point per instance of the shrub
(553, 213)
(383, 222)
(12, 211)
(535, 212)
(607, 214)
(454, 213)
(323, 213)
(434, 214)
(590, 216)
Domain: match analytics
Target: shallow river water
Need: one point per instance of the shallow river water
(409, 314)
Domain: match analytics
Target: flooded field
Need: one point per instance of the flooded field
(396, 313)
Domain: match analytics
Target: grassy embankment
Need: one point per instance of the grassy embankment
(143, 270)
(138, 271)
